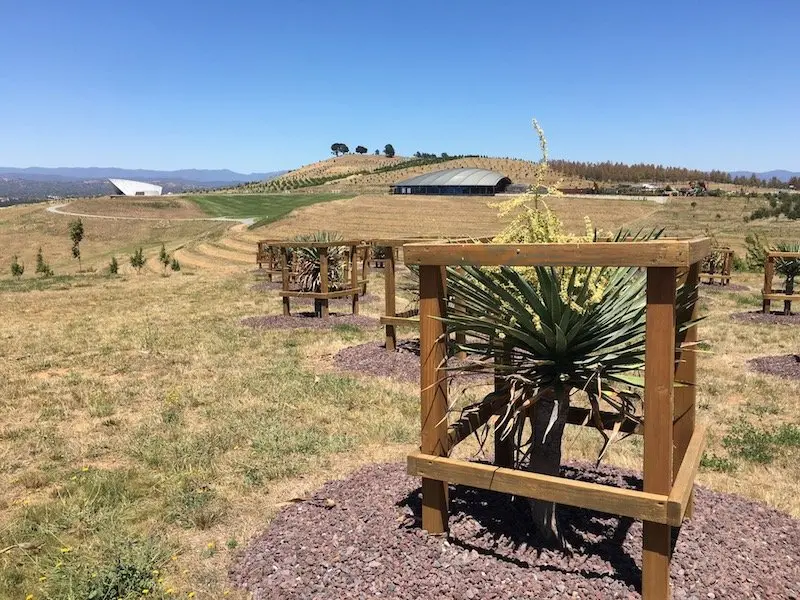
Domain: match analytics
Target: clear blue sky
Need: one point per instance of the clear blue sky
(261, 86)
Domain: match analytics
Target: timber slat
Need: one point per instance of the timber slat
(656, 253)
(593, 496)
(774, 296)
(679, 496)
(319, 295)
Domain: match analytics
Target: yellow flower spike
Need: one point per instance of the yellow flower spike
(43, 578)
(156, 571)
(84, 469)
(190, 595)
(59, 564)
(145, 591)
(226, 593)
(174, 557)
(66, 549)
(74, 478)
(29, 597)
(210, 545)
(185, 571)
(169, 591)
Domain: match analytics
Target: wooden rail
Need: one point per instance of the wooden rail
(672, 444)
(768, 294)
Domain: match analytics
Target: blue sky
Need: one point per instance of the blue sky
(260, 86)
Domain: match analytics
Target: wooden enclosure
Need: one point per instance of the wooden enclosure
(723, 276)
(267, 255)
(769, 293)
(355, 274)
(672, 444)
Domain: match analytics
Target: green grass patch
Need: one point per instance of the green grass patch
(760, 444)
(264, 207)
(57, 282)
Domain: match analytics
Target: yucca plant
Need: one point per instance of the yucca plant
(789, 269)
(547, 335)
(309, 271)
(714, 262)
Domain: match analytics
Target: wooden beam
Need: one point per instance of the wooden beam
(317, 295)
(593, 496)
(323, 277)
(611, 254)
(778, 296)
(354, 277)
(285, 279)
(681, 494)
(433, 393)
(390, 293)
(769, 273)
(658, 410)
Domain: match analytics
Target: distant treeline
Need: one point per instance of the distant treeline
(641, 172)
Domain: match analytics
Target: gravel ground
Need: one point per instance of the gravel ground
(307, 320)
(731, 287)
(773, 318)
(787, 366)
(403, 364)
(360, 538)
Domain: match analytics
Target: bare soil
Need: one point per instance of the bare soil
(786, 366)
(731, 287)
(361, 538)
(772, 318)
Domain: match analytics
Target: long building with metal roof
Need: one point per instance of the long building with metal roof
(454, 182)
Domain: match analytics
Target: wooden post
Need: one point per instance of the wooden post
(259, 250)
(769, 272)
(389, 292)
(461, 338)
(433, 393)
(658, 410)
(503, 448)
(365, 270)
(354, 276)
(285, 279)
(324, 285)
(685, 393)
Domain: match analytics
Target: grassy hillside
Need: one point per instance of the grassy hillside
(266, 207)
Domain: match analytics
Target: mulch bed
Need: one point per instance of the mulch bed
(361, 538)
(731, 287)
(307, 320)
(402, 364)
(787, 366)
(773, 318)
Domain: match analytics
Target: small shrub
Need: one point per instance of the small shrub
(76, 235)
(138, 260)
(717, 463)
(113, 266)
(163, 258)
(17, 269)
(42, 267)
(174, 264)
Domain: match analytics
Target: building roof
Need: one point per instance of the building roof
(129, 187)
(455, 177)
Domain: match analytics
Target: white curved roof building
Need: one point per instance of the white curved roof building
(128, 187)
(454, 181)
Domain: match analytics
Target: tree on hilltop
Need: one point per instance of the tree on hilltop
(388, 150)
(361, 150)
(338, 148)
(377, 152)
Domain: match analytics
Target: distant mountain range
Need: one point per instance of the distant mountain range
(781, 174)
(38, 183)
(193, 175)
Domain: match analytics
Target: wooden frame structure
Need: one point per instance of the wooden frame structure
(724, 275)
(265, 253)
(672, 445)
(356, 285)
(769, 294)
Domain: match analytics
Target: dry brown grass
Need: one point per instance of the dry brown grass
(151, 385)
(162, 207)
(342, 165)
(447, 216)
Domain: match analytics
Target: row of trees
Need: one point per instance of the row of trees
(617, 171)
(338, 148)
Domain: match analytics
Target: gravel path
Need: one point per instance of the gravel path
(787, 366)
(403, 364)
(773, 318)
(360, 538)
(307, 320)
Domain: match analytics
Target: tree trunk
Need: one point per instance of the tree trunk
(546, 460)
